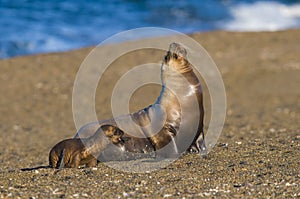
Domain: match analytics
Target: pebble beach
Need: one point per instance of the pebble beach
(256, 156)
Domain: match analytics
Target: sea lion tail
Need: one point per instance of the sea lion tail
(61, 162)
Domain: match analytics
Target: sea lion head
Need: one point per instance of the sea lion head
(113, 133)
(176, 59)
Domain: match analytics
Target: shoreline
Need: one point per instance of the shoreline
(152, 37)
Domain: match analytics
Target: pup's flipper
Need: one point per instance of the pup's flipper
(61, 161)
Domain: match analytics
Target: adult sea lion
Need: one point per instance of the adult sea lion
(179, 109)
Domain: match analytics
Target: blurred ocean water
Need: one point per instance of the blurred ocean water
(34, 26)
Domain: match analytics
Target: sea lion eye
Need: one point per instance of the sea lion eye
(117, 132)
(167, 57)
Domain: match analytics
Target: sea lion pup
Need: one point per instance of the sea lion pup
(74, 152)
(181, 91)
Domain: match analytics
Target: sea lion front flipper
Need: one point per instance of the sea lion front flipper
(171, 129)
(200, 143)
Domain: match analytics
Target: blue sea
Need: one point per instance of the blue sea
(39, 26)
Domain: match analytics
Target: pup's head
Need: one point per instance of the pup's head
(113, 132)
(176, 59)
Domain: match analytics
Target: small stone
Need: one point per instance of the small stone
(272, 130)
(16, 127)
(242, 162)
(237, 185)
(225, 145)
(39, 85)
(167, 195)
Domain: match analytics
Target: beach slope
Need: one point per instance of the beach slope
(257, 155)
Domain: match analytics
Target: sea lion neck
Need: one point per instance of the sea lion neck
(178, 81)
(176, 85)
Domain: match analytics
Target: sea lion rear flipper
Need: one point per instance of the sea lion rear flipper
(61, 161)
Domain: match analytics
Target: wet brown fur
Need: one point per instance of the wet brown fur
(75, 151)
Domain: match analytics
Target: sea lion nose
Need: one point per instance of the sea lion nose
(178, 50)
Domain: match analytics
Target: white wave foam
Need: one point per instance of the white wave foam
(53, 44)
(263, 16)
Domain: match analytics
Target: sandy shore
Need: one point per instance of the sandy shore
(257, 155)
